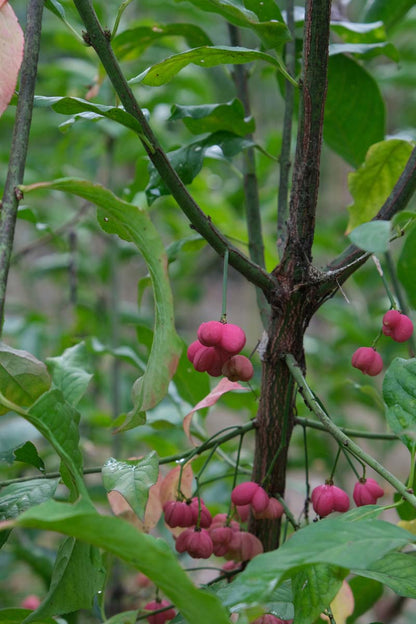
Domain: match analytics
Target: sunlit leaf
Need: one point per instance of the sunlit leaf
(314, 587)
(69, 374)
(229, 116)
(373, 237)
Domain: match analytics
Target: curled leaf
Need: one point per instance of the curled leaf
(11, 53)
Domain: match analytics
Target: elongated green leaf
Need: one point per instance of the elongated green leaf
(399, 392)
(77, 576)
(406, 266)
(373, 182)
(127, 617)
(73, 106)
(131, 43)
(18, 497)
(131, 223)
(58, 423)
(204, 56)
(143, 552)
(272, 32)
(17, 616)
(314, 587)
(187, 160)
(388, 12)
(28, 454)
(132, 479)
(366, 50)
(69, 374)
(354, 110)
(332, 541)
(229, 116)
(373, 237)
(23, 378)
(397, 571)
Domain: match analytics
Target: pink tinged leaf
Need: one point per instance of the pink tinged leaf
(11, 53)
(225, 385)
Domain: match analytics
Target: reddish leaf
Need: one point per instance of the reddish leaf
(225, 385)
(169, 486)
(11, 53)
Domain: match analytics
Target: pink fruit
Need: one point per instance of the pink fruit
(273, 510)
(199, 544)
(260, 500)
(233, 338)
(243, 512)
(397, 325)
(221, 537)
(243, 493)
(193, 348)
(178, 514)
(220, 357)
(181, 543)
(210, 334)
(205, 358)
(367, 360)
(366, 492)
(250, 546)
(30, 602)
(164, 616)
(328, 498)
(238, 368)
(142, 580)
(205, 518)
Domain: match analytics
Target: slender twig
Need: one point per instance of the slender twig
(352, 433)
(305, 183)
(285, 161)
(19, 144)
(99, 40)
(212, 442)
(250, 181)
(312, 403)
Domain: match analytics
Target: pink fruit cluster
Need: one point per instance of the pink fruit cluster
(328, 497)
(216, 351)
(249, 496)
(163, 616)
(396, 325)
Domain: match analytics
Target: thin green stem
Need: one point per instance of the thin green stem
(285, 159)
(224, 287)
(334, 467)
(19, 146)
(199, 220)
(385, 283)
(250, 180)
(335, 431)
(123, 6)
(307, 482)
(288, 513)
(352, 433)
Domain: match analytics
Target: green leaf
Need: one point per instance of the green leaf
(143, 552)
(17, 616)
(69, 374)
(397, 571)
(229, 116)
(56, 8)
(23, 378)
(131, 223)
(28, 454)
(187, 161)
(127, 617)
(373, 182)
(18, 497)
(58, 423)
(387, 11)
(333, 541)
(406, 266)
(273, 33)
(366, 592)
(132, 479)
(130, 44)
(353, 32)
(399, 393)
(373, 237)
(314, 587)
(77, 576)
(204, 56)
(366, 50)
(73, 106)
(354, 110)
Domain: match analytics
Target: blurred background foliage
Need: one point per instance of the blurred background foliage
(69, 282)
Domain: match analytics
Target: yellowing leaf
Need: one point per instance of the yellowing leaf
(342, 606)
(409, 525)
(11, 53)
